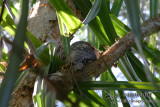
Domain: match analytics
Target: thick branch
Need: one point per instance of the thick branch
(117, 50)
(107, 59)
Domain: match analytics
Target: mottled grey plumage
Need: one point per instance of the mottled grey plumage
(82, 53)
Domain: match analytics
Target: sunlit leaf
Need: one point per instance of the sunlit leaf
(96, 98)
(71, 21)
(64, 35)
(80, 101)
(119, 85)
(95, 24)
(93, 11)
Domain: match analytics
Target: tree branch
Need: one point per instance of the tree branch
(117, 50)
(65, 79)
(107, 59)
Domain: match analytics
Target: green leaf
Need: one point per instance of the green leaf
(37, 93)
(128, 69)
(9, 21)
(50, 99)
(1, 48)
(21, 77)
(4, 56)
(106, 22)
(151, 53)
(99, 31)
(55, 62)
(122, 67)
(13, 9)
(65, 36)
(15, 57)
(37, 43)
(153, 13)
(2, 68)
(42, 48)
(154, 8)
(9, 10)
(96, 98)
(79, 101)
(93, 11)
(92, 39)
(71, 21)
(134, 19)
(33, 2)
(95, 24)
(106, 76)
(120, 27)
(121, 93)
(8, 28)
(134, 75)
(43, 52)
(116, 7)
(119, 85)
(138, 67)
(153, 43)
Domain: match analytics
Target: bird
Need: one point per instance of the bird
(82, 53)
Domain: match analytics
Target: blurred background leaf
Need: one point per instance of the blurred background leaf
(105, 22)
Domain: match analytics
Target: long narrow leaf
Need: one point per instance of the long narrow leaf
(106, 76)
(153, 8)
(42, 48)
(95, 24)
(96, 98)
(79, 101)
(93, 11)
(10, 29)
(153, 13)
(119, 85)
(120, 27)
(37, 43)
(116, 7)
(65, 36)
(68, 17)
(121, 93)
(106, 21)
(151, 53)
(138, 67)
(134, 19)
(16, 58)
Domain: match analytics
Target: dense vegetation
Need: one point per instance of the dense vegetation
(35, 43)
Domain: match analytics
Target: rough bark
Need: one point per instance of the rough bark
(118, 49)
(44, 26)
(22, 96)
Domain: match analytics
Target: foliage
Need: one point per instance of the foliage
(103, 27)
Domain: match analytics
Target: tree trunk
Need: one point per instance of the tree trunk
(43, 24)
